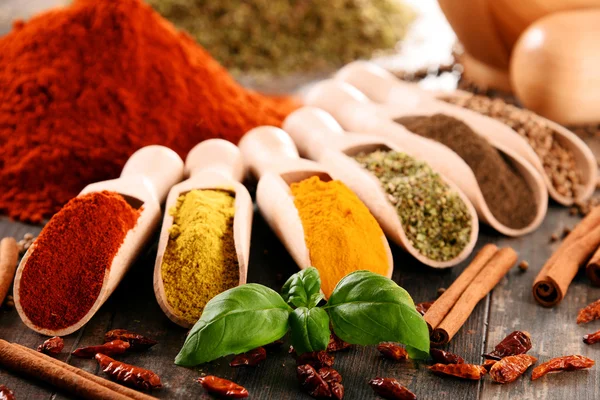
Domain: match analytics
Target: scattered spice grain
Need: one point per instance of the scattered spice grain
(441, 291)
(435, 219)
(553, 237)
(506, 192)
(523, 266)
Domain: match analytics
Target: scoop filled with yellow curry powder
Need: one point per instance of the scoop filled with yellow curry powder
(200, 258)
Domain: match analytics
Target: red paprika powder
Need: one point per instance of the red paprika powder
(83, 87)
(64, 273)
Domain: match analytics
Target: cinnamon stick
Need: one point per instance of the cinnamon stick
(15, 359)
(442, 306)
(592, 269)
(546, 288)
(553, 288)
(9, 255)
(101, 381)
(502, 261)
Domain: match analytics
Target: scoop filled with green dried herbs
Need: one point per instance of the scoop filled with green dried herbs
(435, 219)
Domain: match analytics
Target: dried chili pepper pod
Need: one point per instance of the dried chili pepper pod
(6, 393)
(392, 351)
(390, 388)
(488, 364)
(592, 338)
(54, 345)
(222, 387)
(273, 346)
(109, 349)
(334, 381)
(312, 383)
(135, 340)
(336, 344)
(127, 374)
(510, 368)
(463, 371)
(251, 358)
(515, 343)
(589, 313)
(423, 307)
(445, 357)
(316, 359)
(565, 363)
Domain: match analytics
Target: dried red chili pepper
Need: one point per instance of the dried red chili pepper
(54, 345)
(135, 340)
(251, 358)
(510, 368)
(316, 359)
(592, 338)
(312, 383)
(565, 363)
(464, 371)
(517, 342)
(337, 344)
(222, 387)
(334, 381)
(445, 357)
(6, 393)
(423, 307)
(392, 351)
(109, 349)
(128, 374)
(390, 388)
(488, 364)
(589, 313)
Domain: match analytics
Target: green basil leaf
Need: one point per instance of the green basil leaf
(303, 289)
(310, 329)
(367, 308)
(235, 321)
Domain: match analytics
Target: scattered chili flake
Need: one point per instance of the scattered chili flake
(463, 371)
(312, 383)
(589, 313)
(109, 349)
(445, 357)
(54, 345)
(337, 344)
(334, 380)
(553, 237)
(523, 266)
(566, 231)
(6, 393)
(222, 387)
(251, 358)
(316, 359)
(127, 374)
(423, 307)
(390, 388)
(510, 368)
(392, 351)
(488, 364)
(592, 338)
(565, 363)
(441, 291)
(517, 342)
(136, 341)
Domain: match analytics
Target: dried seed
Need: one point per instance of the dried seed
(523, 265)
(510, 368)
(553, 237)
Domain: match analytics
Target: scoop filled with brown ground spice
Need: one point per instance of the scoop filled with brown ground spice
(509, 197)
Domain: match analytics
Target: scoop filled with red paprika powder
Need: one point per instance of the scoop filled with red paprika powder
(84, 251)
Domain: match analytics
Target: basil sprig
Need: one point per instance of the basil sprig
(364, 309)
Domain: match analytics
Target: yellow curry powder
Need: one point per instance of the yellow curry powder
(341, 234)
(200, 259)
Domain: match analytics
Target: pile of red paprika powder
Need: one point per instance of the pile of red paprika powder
(64, 273)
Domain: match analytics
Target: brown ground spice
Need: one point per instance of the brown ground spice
(507, 194)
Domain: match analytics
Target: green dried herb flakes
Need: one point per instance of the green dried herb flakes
(281, 36)
(435, 219)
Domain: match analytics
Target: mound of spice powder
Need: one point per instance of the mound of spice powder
(340, 232)
(83, 87)
(506, 192)
(200, 260)
(433, 216)
(64, 273)
(558, 161)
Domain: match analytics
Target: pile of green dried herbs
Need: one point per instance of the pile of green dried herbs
(435, 219)
(286, 36)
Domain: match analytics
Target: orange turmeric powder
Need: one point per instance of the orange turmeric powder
(340, 233)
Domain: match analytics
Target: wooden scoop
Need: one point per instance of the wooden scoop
(212, 164)
(320, 138)
(271, 155)
(144, 182)
(382, 87)
(356, 113)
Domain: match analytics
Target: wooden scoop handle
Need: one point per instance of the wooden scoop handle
(312, 129)
(216, 155)
(159, 164)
